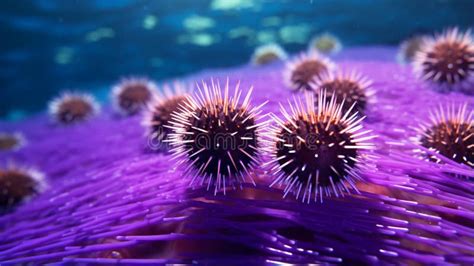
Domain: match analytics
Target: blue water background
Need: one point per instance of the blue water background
(47, 46)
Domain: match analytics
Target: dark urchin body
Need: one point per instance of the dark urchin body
(134, 97)
(230, 139)
(318, 159)
(217, 136)
(131, 95)
(73, 107)
(452, 140)
(350, 87)
(300, 72)
(447, 60)
(161, 115)
(17, 185)
(315, 149)
(74, 111)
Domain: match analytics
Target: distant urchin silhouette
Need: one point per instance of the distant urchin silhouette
(447, 60)
(409, 48)
(268, 53)
(158, 113)
(18, 184)
(348, 86)
(11, 141)
(216, 136)
(301, 71)
(316, 150)
(73, 107)
(131, 95)
(325, 43)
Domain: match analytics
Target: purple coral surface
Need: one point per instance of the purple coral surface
(111, 200)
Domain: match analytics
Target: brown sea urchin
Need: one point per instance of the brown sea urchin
(446, 60)
(409, 48)
(11, 141)
(316, 153)
(131, 95)
(451, 134)
(325, 43)
(267, 54)
(159, 112)
(17, 185)
(350, 87)
(216, 136)
(73, 107)
(300, 72)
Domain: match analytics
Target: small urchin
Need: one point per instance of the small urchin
(159, 111)
(325, 43)
(11, 141)
(316, 150)
(301, 71)
(217, 137)
(131, 95)
(18, 184)
(447, 60)
(450, 133)
(267, 54)
(409, 48)
(350, 87)
(73, 107)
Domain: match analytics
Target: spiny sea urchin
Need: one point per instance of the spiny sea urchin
(409, 48)
(450, 133)
(447, 59)
(267, 54)
(315, 149)
(11, 141)
(18, 184)
(217, 136)
(350, 87)
(159, 112)
(72, 107)
(301, 71)
(325, 43)
(131, 95)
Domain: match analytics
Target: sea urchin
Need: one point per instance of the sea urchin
(11, 141)
(73, 107)
(409, 48)
(316, 150)
(217, 136)
(18, 184)
(267, 54)
(350, 87)
(451, 134)
(447, 60)
(300, 72)
(131, 95)
(325, 43)
(159, 113)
